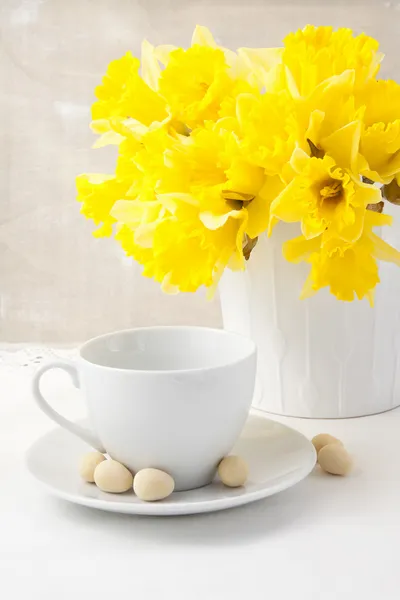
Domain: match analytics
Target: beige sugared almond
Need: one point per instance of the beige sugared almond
(151, 485)
(112, 476)
(334, 459)
(233, 471)
(88, 464)
(323, 439)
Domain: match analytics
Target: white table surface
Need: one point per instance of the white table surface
(325, 539)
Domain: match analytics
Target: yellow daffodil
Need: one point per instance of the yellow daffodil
(380, 139)
(314, 54)
(126, 237)
(139, 166)
(262, 67)
(98, 194)
(202, 36)
(141, 160)
(324, 197)
(268, 128)
(202, 82)
(214, 172)
(216, 146)
(180, 252)
(347, 269)
(124, 95)
(240, 68)
(206, 200)
(330, 121)
(194, 84)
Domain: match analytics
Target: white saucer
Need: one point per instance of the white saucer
(278, 457)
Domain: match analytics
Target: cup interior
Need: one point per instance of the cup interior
(167, 349)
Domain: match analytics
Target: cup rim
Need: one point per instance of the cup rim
(252, 349)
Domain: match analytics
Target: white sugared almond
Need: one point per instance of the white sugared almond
(334, 459)
(88, 464)
(233, 471)
(111, 476)
(323, 439)
(151, 485)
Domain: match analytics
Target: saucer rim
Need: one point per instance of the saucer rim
(112, 504)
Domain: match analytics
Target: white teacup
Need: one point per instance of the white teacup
(173, 398)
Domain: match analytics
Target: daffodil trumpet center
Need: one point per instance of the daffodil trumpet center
(331, 192)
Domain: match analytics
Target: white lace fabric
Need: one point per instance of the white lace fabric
(27, 359)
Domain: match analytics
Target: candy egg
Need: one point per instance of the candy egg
(323, 439)
(88, 464)
(152, 485)
(335, 459)
(111, 476)
(233, 471)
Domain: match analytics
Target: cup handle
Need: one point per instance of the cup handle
(84, 434)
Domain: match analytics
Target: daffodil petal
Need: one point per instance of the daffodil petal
(128, 212)
(167, 287)
(375, 219)
(383, 251)
(308, 289)
(109, 138)
(162, 53)
(100, 126)
(291, 204)
(212, 221)
(343, 145)
(291, 83)
(299, 249)
(312, 227)
(368, 194)
(171, 201)
(370, 295)
(151, 69)
(267, 58)
(334, 86)
(104, 231)
(94, 178)
(259, 209)
(352, 232)
(144, 234)
(393, 166)
(244, 105)
(203, 37)
(314, 125)
(136, 128)
(299, 160)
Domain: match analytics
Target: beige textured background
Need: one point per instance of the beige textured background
(57, 283)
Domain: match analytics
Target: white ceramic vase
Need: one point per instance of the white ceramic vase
(318, 358)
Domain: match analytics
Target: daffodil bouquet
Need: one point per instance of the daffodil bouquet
(216, 147)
